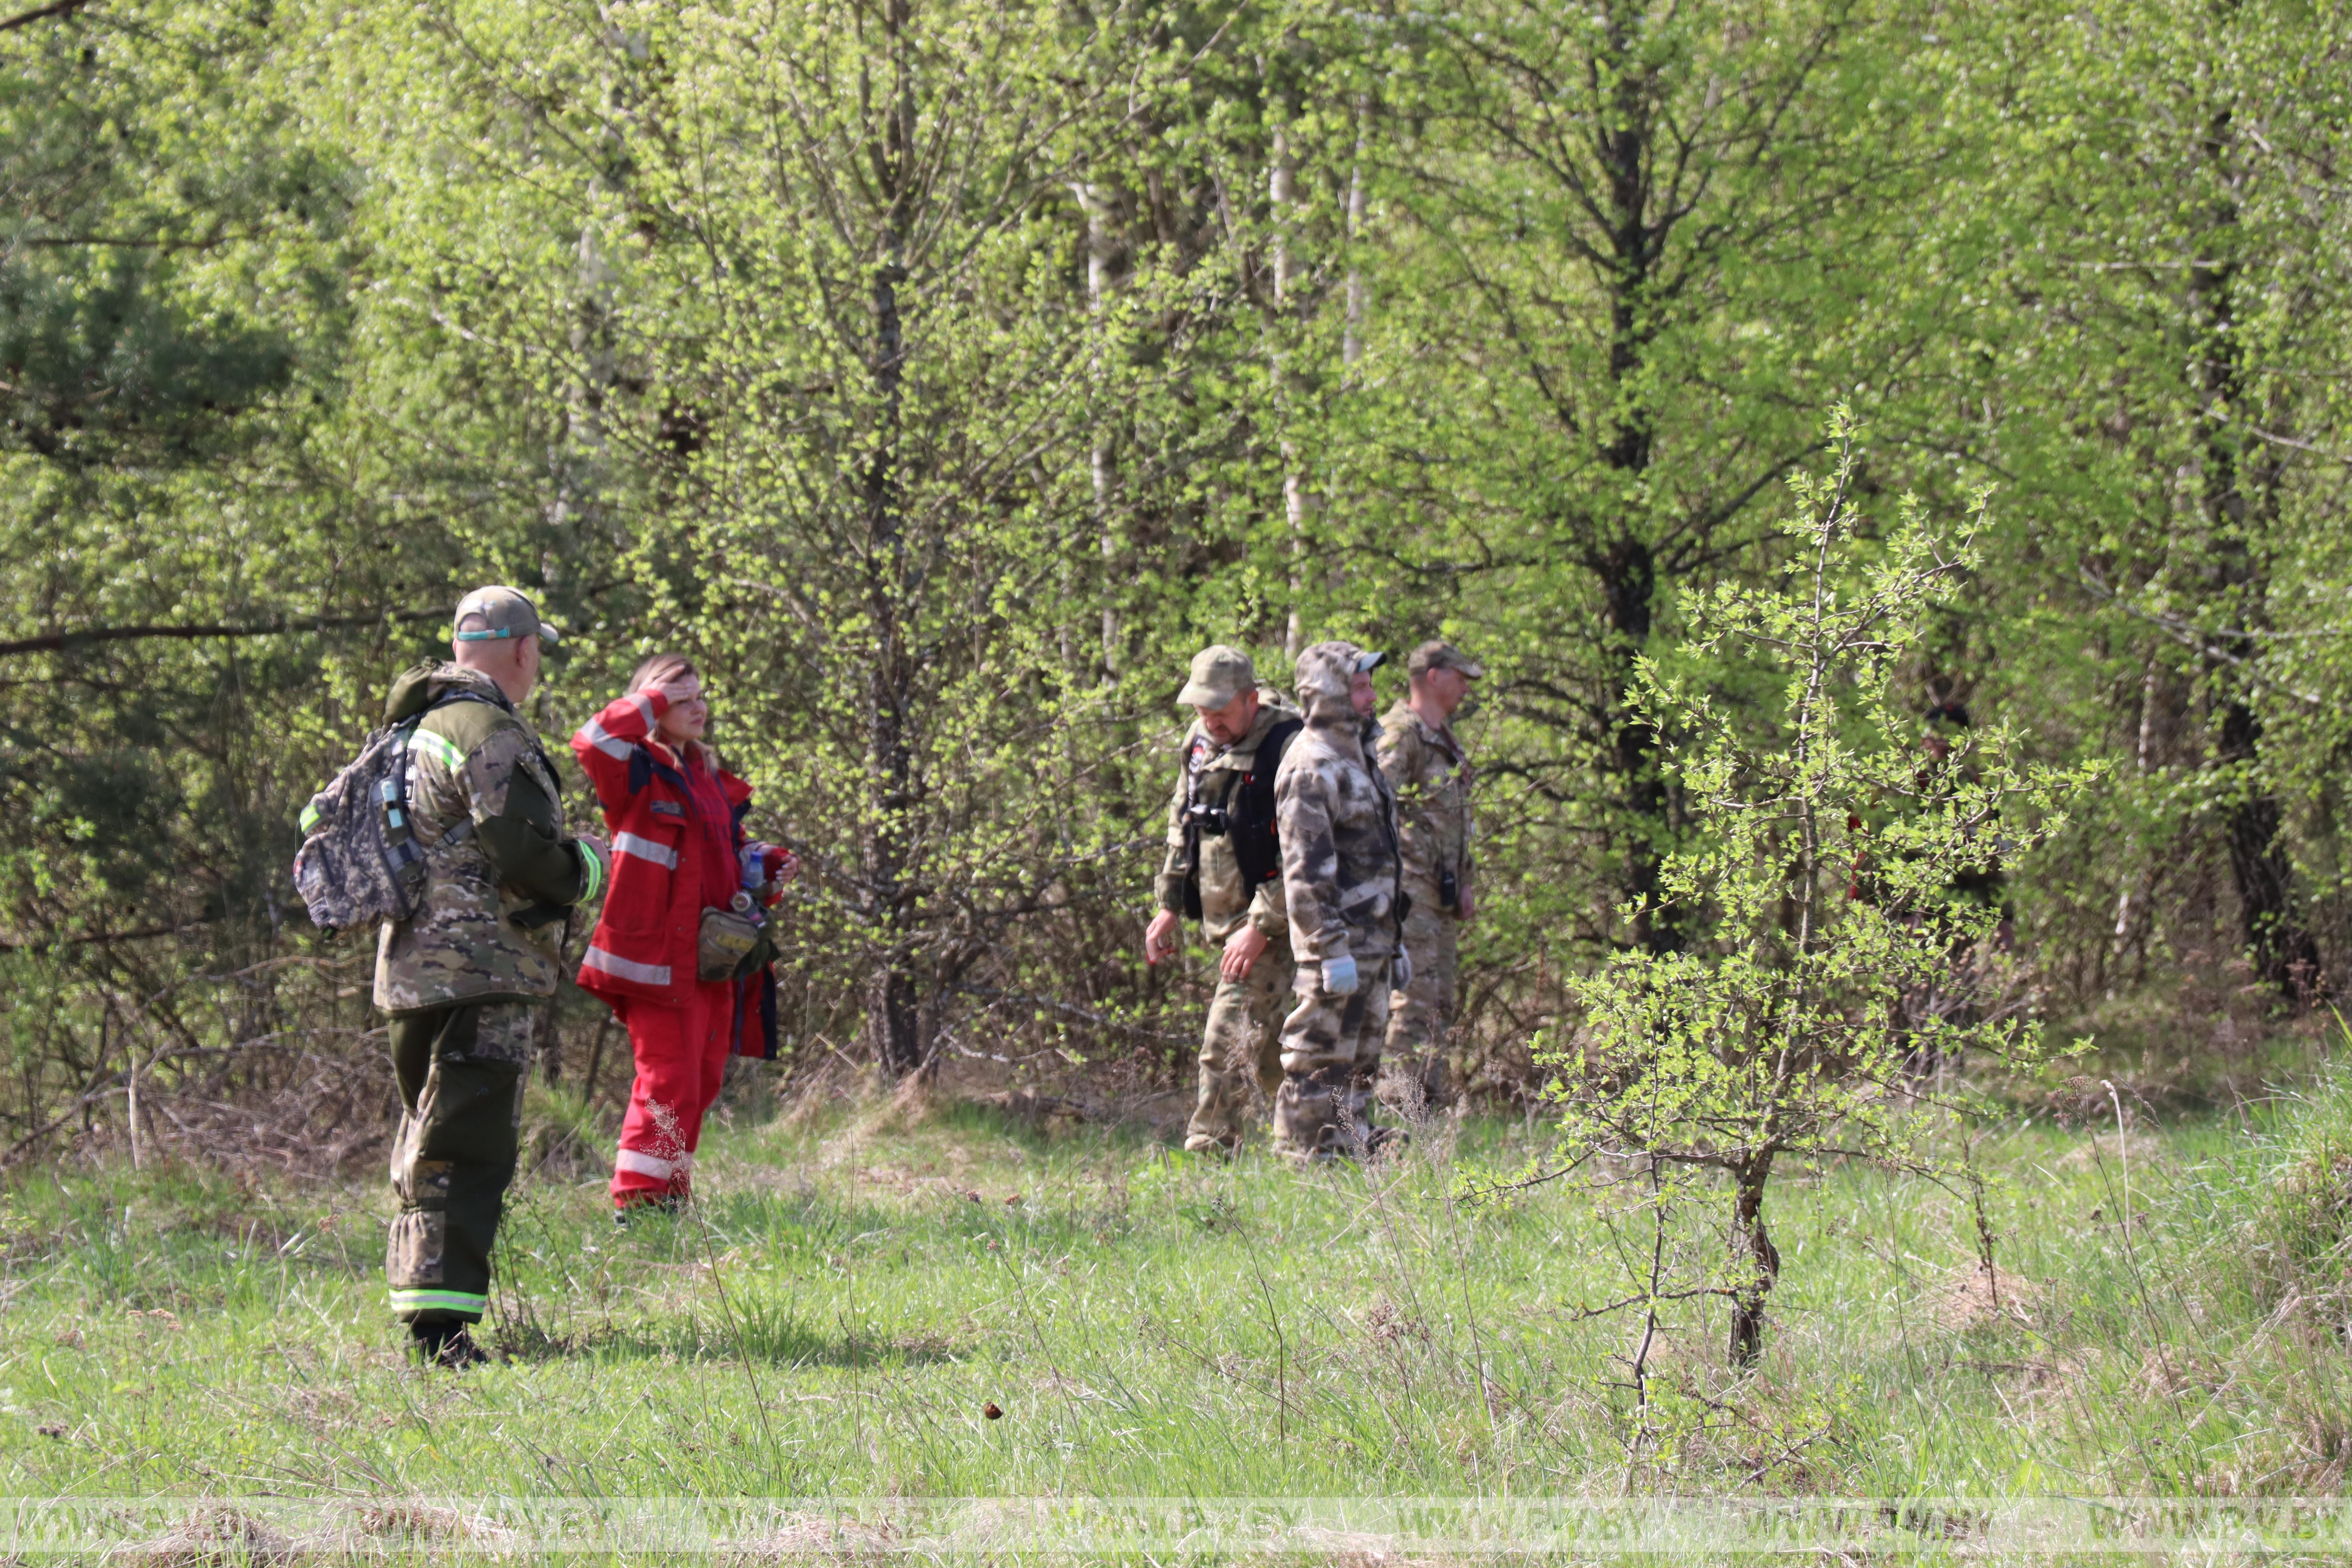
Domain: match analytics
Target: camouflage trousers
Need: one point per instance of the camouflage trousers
(461, 1075)
(1415, 1079)
(1330, 1059)
(1241, 1051)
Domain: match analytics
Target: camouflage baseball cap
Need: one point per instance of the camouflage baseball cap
(1431, 655)
(1219, 675)
(505, 613)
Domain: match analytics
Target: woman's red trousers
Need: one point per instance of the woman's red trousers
(681, 1057)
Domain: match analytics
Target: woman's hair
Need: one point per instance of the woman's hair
(663, 667)
(660, 669)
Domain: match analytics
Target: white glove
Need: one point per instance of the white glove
(1339, 976)
(1400, 971)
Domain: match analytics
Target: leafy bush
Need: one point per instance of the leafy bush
(1839, 867)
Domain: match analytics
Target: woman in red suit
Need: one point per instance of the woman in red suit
(677, 823)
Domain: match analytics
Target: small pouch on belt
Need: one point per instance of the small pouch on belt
(728, 941)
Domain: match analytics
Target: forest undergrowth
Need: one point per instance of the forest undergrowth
(880, 1302)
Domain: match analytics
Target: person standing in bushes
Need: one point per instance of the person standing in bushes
(1224, 867)
(1424, 763)
(1342, 871)
(681, 953)
(466, 981)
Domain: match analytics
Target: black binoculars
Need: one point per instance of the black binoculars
(1212, 820)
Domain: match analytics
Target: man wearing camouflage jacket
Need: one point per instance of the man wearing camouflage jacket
(1342, 874)
(1224, 867)
(1425, 765)
(466, 982)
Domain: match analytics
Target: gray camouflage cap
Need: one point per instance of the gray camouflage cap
(1431, 655)
(1219, 675)
(1324, 666)
(505, 613)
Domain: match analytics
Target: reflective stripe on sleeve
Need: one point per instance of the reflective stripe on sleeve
(439, 747)
(620, 968)
(644, 703)
(592, 870)
(638, 1162)
(604, 739)
(660, 854)
(439, 1300)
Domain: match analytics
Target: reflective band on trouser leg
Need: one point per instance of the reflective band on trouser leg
(646, 1164)
(439, 1301)
(455, 1155)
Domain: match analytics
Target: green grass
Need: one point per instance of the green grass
(835, 1317)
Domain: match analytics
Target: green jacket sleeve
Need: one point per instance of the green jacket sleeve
(521, 831)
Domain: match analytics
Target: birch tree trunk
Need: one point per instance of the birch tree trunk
(1103, 461)
(1297, 500)
(893, 1011)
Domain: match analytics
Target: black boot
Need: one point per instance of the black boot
(445, 1343)
(668, 1205)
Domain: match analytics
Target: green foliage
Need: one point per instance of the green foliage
(1827, 864)
(942, 375)
(2301, 1186)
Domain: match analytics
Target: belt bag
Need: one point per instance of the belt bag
(732, 945)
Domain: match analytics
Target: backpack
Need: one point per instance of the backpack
(1257, 845)
(1247, 817)
(360, 861)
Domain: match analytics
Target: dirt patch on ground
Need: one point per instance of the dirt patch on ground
(1975, 1298)
(810, 1537)
(217, 1538)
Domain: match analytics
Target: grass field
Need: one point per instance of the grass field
(861, 1284)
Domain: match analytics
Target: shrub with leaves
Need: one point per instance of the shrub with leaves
(1835, 875)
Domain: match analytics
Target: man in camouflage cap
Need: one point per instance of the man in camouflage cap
(1224, 867)
(467, 980)
(1425, 764)
(1341, 873)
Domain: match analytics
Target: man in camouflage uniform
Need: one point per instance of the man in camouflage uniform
(1341, 868)
(466, 982)
(1429, 771)
(1222, 865)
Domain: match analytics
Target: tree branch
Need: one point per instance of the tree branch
(54, 8)
(59, 642)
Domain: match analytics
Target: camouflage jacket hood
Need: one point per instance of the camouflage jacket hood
(419, 688)
(1324, 672)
